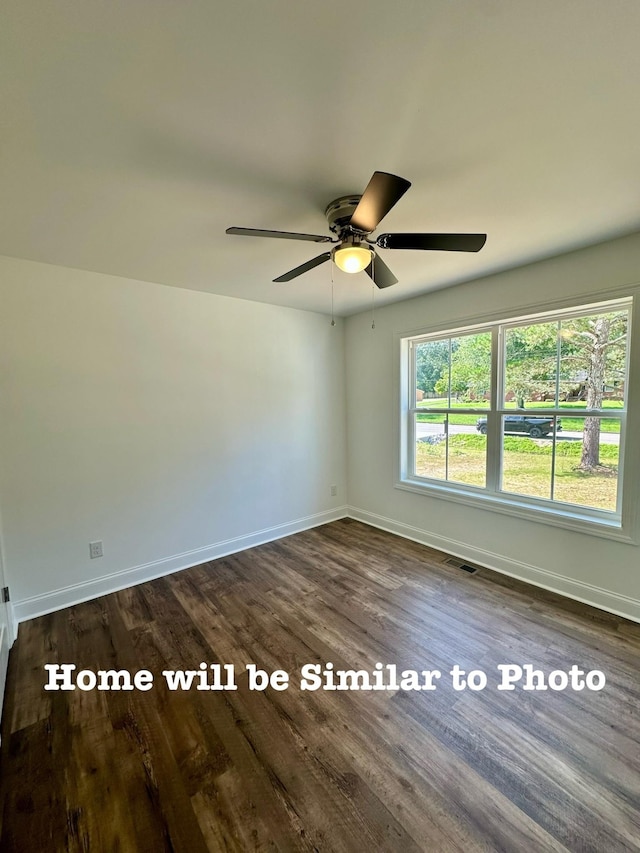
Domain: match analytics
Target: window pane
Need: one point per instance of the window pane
(471, 369)
(432, 368)
(454, 371)
(531, 360)
(431, 446)
(467, 451)
(593, 358)
(460, 456)
(586, 465)
(526, 460)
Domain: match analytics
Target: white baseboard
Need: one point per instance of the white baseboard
(39, 605)
(12, 623)
(612, 602)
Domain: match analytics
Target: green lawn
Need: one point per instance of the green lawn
(571, 424)
(526, 468)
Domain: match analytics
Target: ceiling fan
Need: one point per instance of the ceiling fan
(352, 218)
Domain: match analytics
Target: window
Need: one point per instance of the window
(529, 414)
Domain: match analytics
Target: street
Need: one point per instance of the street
(423, 430)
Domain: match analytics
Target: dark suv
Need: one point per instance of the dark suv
(535, 427)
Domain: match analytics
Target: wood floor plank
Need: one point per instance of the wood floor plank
(326, 770)
(32, 704)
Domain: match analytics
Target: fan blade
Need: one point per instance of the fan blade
(282, 235)
(309, 265)
(380, 273)
(382, 192)
(435, 242)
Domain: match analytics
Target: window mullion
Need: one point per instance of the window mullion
(410, 465)
(493, 420)
(621, 450)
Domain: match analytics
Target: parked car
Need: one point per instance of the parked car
(535, 427)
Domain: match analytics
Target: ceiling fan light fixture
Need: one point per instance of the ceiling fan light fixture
(353, 257)
(352, 219)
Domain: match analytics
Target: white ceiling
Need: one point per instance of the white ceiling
(135, 132)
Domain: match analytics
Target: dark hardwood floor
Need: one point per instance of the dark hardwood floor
(345, 770)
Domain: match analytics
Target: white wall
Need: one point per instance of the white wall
(176, 426)
(592, 569)
(162, 421)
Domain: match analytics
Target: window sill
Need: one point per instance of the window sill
(569, 519)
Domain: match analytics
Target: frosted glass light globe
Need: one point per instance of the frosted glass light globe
(352, 258)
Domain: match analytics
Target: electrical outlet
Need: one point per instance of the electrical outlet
(95, 549)
(334, 491)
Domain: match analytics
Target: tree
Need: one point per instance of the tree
(531, 361)
(542, 359)
(583, 350)
(432, 358)
(597, 347)
(470, 375)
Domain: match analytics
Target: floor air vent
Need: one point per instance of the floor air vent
(471, 570)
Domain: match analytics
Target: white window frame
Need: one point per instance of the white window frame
(615, 525)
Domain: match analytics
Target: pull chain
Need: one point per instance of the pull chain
(373, 293)
(333, 319)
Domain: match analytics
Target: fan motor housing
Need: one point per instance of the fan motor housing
(340, 211)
